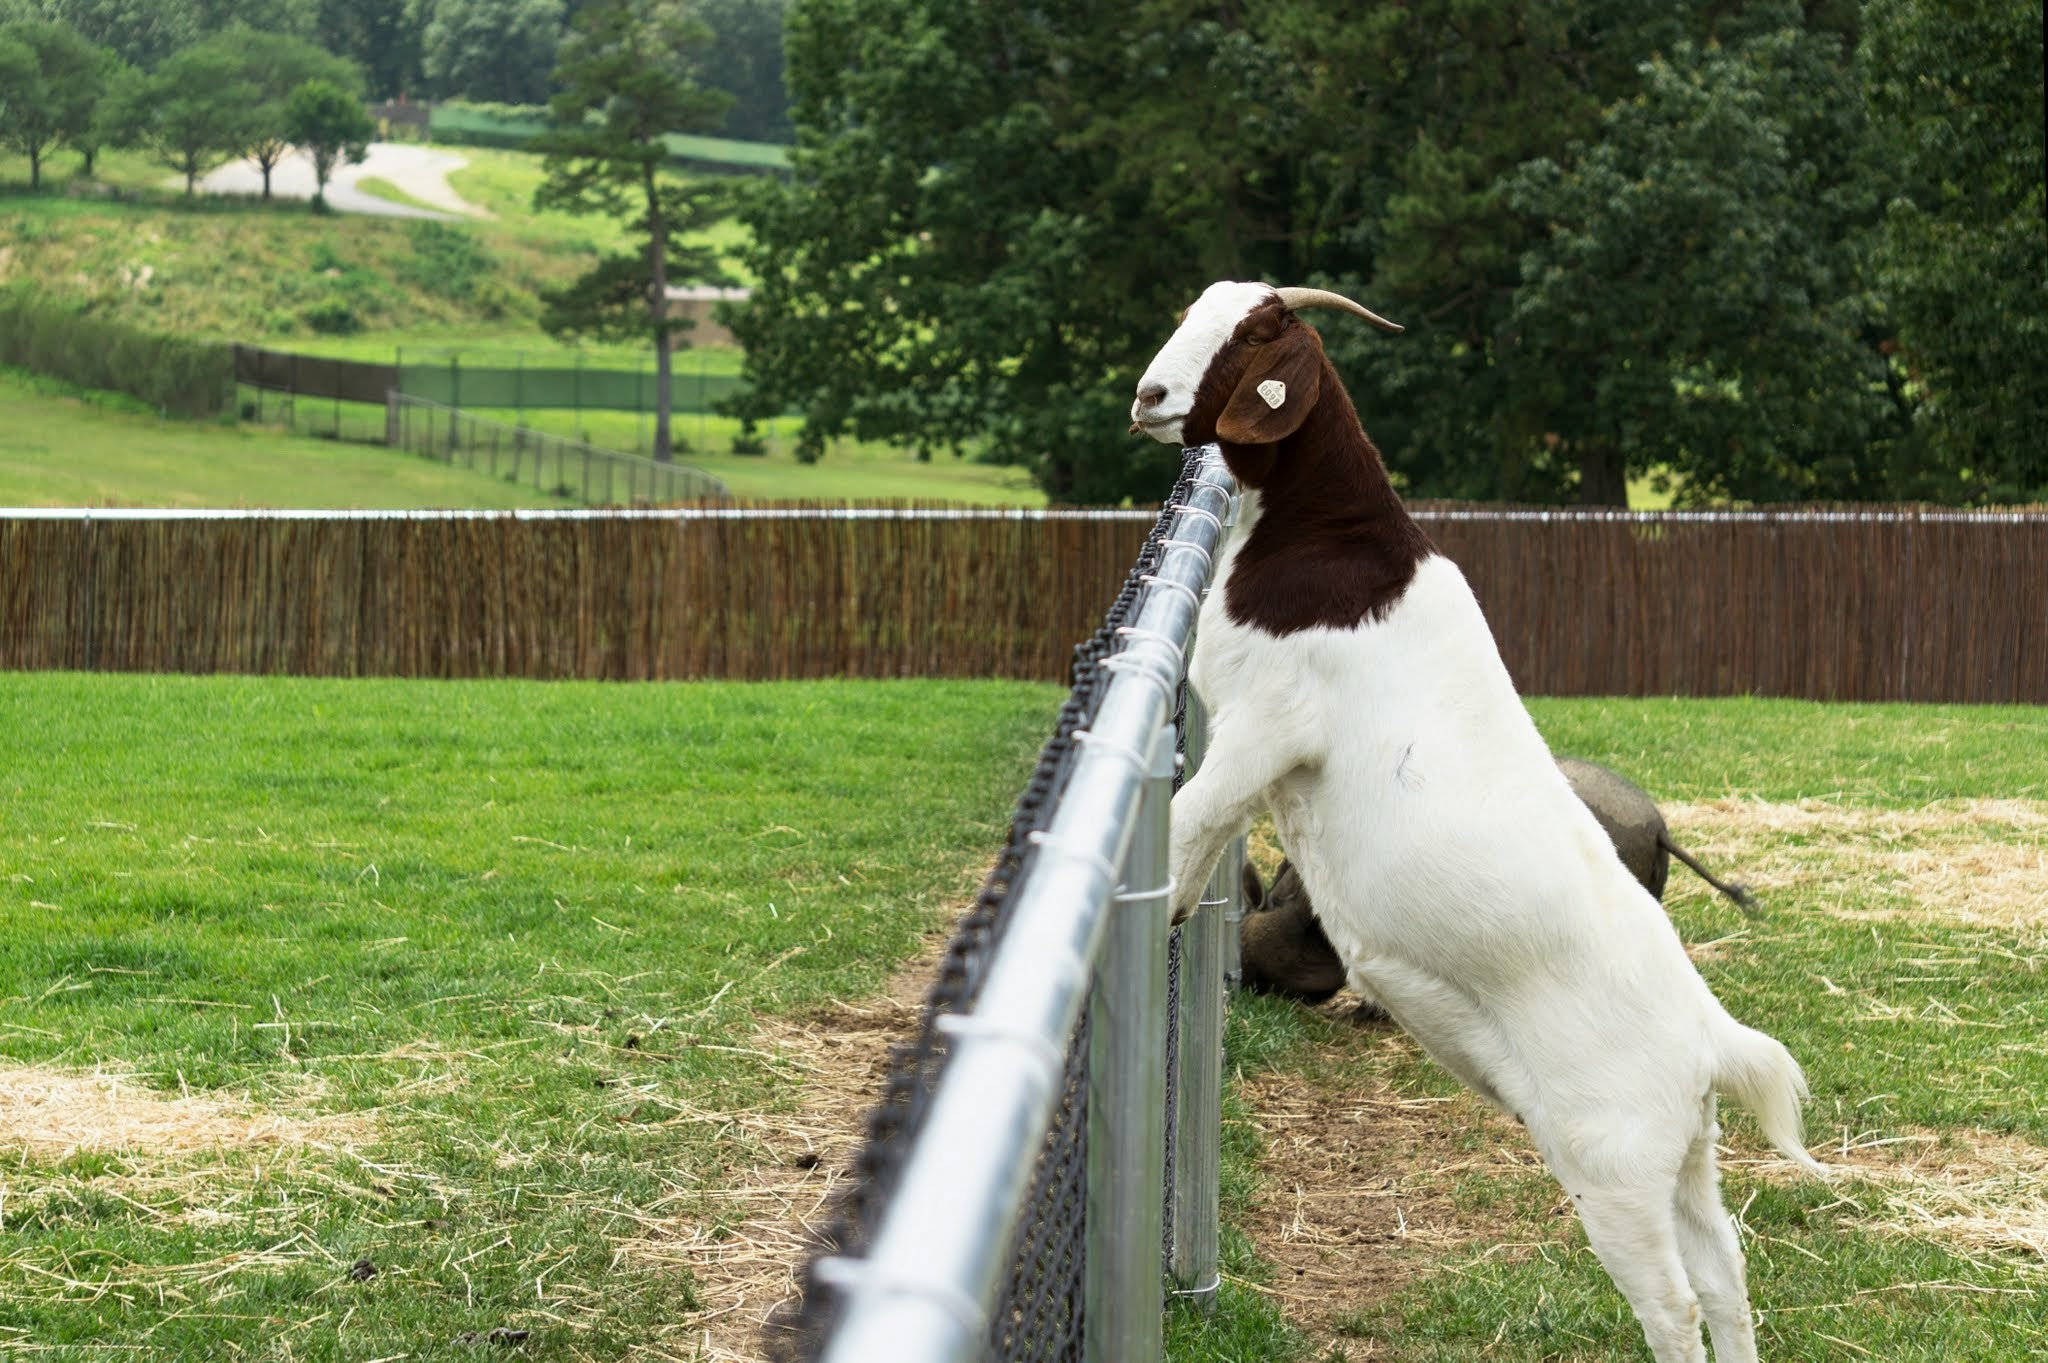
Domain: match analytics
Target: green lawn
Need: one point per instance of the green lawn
(461, 980)
(59, 450)
(470, 981)
(1902, 956)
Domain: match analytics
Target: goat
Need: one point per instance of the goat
(1282, 949)
(1634, 824)
(1354, 690)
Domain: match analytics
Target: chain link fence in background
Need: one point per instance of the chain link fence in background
(1000, 1208)
(568, 469)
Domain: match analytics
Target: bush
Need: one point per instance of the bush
(332, 317)
(61, 339)
(446, 261)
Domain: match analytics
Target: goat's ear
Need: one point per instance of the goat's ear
(1278, 388)
(1254, 889)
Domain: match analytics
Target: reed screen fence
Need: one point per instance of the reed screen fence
(1878, 605)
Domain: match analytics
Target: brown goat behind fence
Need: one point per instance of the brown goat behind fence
(1926, 606)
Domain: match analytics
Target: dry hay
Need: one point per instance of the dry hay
(1981, 1195)
(745, 1240)
(186, 1159)
(1981, 863)
(51, 1115)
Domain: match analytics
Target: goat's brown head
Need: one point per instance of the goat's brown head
(1240, 368)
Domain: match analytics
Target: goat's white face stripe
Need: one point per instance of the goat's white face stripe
(1180, 364)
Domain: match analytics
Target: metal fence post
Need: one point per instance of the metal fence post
(1121, 1312)
(1198, 1078)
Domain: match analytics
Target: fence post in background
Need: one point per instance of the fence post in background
(1198, 1078)
(391, 433)
(454, 400)
(1121, 1318)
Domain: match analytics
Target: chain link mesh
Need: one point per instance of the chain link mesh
(1037, 1316)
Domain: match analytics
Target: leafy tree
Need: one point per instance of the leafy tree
(50, 79)
(493, 50)
(142, 32)
(277, 66)
(994, 214)
(745, 60)
(382, 37)
(193, 112)
(1693, 300)
(331, 126)
(628, 78)
(1962, 261)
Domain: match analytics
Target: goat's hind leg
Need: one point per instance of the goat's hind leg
(1633, 1232)
(1712, 1254)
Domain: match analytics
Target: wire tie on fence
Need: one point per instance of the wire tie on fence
(1157, 636)
(1046, 842)
(864, 1275)
(1212, 903)
(1091, 739)
(1213, 1286)
(1186, 510)
(1051, 1058)
(1123, 662)
(1208, 561)
(1154, 580)
(1139, 896)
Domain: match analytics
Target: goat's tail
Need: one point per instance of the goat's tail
(1744, 900)
(1758, 1072)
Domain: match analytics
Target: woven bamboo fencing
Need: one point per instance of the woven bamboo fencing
(1832, 606)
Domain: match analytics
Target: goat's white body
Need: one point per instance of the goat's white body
(1472, 894)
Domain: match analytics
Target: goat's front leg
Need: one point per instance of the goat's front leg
(1219, 800)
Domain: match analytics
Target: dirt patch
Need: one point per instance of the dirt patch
(1977, 862)
(53, 1115)
(744, 1243)
(1362, 1184)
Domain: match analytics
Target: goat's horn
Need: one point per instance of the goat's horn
(1323, 298)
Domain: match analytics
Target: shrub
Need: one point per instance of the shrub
(61, 339)
(334, 316)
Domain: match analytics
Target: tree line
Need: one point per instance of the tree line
(501, 51)
(1771, 251)
(242, 92)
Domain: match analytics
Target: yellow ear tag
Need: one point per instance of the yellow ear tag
(1274, 392)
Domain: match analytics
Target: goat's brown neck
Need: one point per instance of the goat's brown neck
(1333, 545)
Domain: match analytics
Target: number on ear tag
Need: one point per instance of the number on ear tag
(1274, 392)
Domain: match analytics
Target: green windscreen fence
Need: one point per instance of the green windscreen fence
(537, 387)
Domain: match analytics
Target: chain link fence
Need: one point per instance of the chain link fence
(569, 469)
(934, 1247)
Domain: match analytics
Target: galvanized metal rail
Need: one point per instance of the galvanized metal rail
(1088, 930)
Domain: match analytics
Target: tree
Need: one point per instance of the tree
(331, 126)
(142, 32)
(193, 113)
(994, 211)
(628, 79)
(498, 50)
(382, 37)
(50, 79)
(1692, 298)
(1962, 260)
(745, 61)
(278, 66)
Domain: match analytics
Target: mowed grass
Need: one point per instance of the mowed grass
(57, 449)
(1901, 853)
(458, 983)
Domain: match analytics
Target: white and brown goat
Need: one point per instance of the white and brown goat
(1355, 690)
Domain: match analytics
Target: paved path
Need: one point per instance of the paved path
(420, 171)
